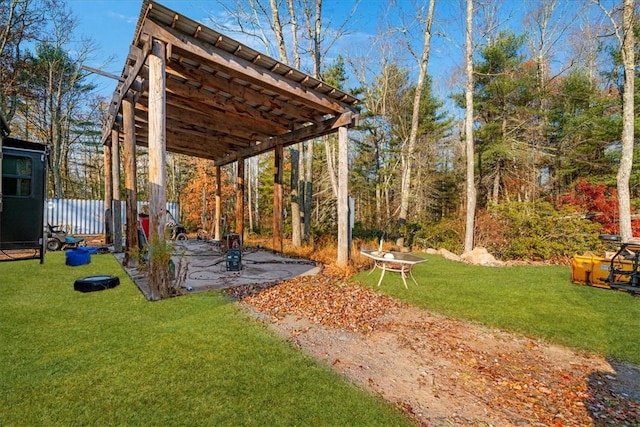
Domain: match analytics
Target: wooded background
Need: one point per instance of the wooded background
(546, 128)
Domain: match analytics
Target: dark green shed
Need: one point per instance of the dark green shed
(22, 198)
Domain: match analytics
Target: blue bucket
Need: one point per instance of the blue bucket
(77, 256)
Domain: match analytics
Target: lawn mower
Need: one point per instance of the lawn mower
(58, 238)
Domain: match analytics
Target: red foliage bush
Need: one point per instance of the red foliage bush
(599, 202)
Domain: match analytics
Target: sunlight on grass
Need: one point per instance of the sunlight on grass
(538, 301)
(112, 358)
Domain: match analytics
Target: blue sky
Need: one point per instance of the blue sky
(111, 24)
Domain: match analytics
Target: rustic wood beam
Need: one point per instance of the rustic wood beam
(108, 196)
(207, 146)
(245, 70)
(213, 122)
(117, 205)
(303, 134)
(158, 280)
(131, 187)
(202, 99)
(218, 226)
(138, 56)
(274, 105)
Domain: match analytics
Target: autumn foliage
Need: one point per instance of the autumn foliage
(598, 202)
(198, 197)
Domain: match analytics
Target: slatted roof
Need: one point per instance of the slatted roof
(224, 100)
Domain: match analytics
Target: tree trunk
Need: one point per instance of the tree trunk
(308, 191)
(296, 238)
(626, 160)
(277, 29)
(331, 170)
(468, 127)
(407, 161)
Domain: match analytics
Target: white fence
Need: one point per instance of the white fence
(86, 217)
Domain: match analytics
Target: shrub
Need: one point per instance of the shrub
(537, 231)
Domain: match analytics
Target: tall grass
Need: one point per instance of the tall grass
(538, 301)
(112, 358)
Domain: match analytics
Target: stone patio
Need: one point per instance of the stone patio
(207, 269)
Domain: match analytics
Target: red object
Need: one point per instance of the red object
(144, 222)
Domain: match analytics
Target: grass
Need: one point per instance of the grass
(538, 301)
(112, 358)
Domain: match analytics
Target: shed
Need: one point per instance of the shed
(23, 166)
(186, 88)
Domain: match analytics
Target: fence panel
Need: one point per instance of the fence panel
(86, 217)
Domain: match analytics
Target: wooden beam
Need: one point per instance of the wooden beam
(158, 279)
(273, 104)
(108, 196)
(211, 145)
(182, 116)
(218, 227)
(204, 100)
(117, 205)
(130, 183)
(245, 70)
(303, 134)
(138, 56)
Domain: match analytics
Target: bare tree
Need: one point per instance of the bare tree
(468, 130)
(626, 41)
(410, 146)
(626, 161)
(57, 90)
(20, 23)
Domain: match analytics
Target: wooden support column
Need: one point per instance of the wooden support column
(218, 228)
(131, 188)
(158, 280)
(117, 205)
(240, 199)
(343, 199)
(277, 199)
(108, 196)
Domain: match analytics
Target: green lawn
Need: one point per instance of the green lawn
(538, 301)
(112, 358)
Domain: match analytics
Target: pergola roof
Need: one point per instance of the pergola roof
(224, 100)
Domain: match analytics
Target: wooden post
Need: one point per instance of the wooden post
(218, 228)
(277, 199)
(240, 199)
(108, 196)
(343, 199)
(131, 189)
(117, 205)
(158, 280)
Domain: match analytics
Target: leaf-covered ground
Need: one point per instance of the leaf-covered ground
(442, 371)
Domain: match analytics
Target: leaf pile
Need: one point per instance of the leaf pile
(322, 300)
(510, 375)
(516, 376)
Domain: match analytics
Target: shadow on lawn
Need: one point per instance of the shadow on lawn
(614, 397)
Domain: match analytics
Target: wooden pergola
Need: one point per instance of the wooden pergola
(188, 89)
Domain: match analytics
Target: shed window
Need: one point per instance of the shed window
(16, 176)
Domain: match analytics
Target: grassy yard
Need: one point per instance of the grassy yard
(538, 301)
(112, 358)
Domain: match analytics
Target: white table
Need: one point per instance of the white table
(398, 262)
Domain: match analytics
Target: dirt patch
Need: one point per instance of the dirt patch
(442, 371)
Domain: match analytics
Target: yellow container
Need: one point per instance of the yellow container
(590, 270)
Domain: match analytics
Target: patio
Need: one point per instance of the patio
(207, 269)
